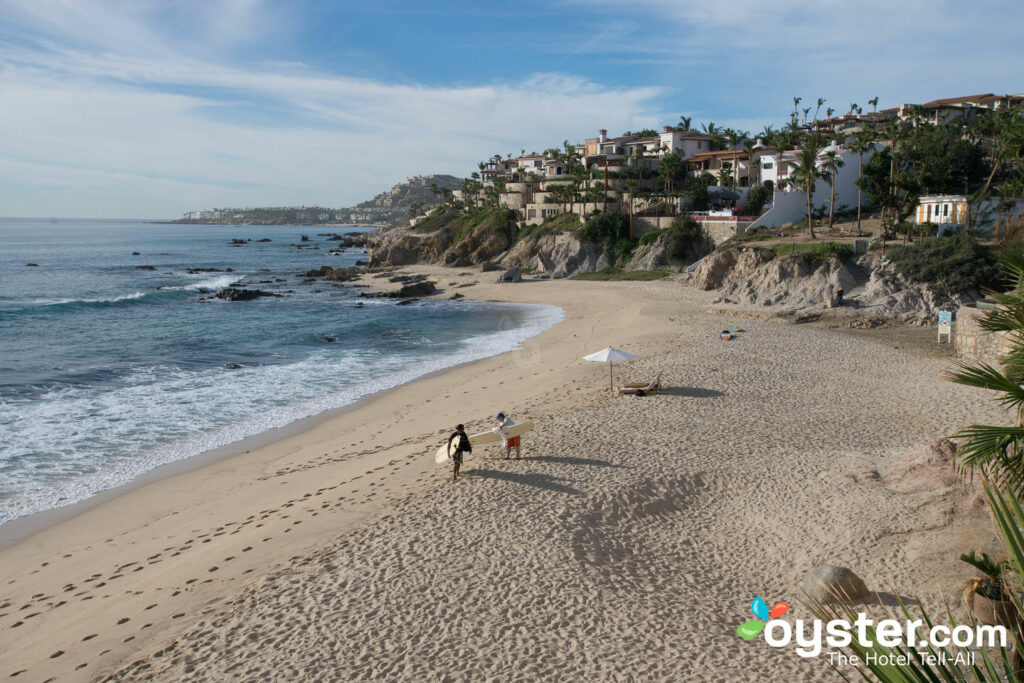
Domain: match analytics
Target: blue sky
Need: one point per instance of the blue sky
(131, 108)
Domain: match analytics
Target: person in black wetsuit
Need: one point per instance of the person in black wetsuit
(458, 443)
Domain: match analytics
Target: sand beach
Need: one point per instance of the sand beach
(627, 544)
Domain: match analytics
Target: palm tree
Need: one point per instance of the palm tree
(821, 101)
(796, 103)
(832, 165)
(892, 133)
(997, 452)
(714, 133)
(736, 139)
(631, 187)
(806, 174)
(874, 103)
(684, 122)
(748, 147)
(434, 191)
(863, 141)
(725, 178)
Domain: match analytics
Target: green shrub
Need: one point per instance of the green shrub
(683, 236)
(756, 199)
(652, 236)
(499, 220)
(952, 265)
(562, 222)
(607, 227)
(816, 251)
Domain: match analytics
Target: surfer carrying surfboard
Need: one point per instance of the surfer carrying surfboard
(510, 442)
(458, 443)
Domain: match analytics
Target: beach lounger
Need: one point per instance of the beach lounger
(650, 388)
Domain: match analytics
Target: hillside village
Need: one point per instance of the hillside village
(732, 181)
(828, 192)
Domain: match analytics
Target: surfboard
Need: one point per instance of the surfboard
(482, 439)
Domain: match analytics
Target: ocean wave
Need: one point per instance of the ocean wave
(161, 293)
(169, 414)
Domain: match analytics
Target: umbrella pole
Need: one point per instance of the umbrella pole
(611, 379)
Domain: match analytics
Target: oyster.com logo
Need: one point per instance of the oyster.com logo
(759, 607)
(891, 635)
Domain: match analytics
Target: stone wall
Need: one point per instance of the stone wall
(719, 231)
(971, 343)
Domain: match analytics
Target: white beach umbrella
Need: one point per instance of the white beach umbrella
(609, 355)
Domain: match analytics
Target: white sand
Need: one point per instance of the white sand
(627, 545)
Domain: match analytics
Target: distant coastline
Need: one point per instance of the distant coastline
(332, 224)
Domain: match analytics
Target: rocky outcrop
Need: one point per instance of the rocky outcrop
(557, 253)
(726, 266)
(654, 255)
(753, 276)
(234, 294)
(791, 281)
(406, 246)
(891, 294)
(335, 274)
(511, 275)
(416, 289)
(483, 243)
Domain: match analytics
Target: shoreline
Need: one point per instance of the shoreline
(23, 527)
(343, 547)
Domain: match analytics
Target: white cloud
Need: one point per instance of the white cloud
(116, 133)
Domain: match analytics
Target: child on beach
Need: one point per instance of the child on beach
(511, 442)
(460, 446)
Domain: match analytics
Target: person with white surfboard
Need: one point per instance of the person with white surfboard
(510, 442)
(458, 443)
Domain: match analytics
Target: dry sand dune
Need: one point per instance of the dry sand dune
(626, 545)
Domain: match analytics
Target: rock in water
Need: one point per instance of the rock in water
(511, 275)
(31, 265)
(145, 267)
(830, 584)
(416, 289)
(234, 294)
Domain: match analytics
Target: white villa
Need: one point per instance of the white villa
(950, 212)
(789, 204)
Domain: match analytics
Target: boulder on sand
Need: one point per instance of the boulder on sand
(831, 584)
(511, 275)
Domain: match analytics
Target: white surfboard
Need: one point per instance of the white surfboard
(482, 439)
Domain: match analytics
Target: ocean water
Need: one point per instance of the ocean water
(108, 370)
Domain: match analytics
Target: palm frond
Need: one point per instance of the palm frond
(984, 376)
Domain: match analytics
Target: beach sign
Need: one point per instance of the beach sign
(946, 325)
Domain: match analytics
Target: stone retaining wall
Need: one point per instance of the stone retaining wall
(971, 343)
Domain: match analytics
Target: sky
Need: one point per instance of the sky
(151, 108)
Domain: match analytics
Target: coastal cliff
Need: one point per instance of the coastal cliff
(489, 237)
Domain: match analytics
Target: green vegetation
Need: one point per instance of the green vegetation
(437, 219)
(613, 230)
(613, 273)
(489, 218)
(651, 236)
(683, 235)
(952, 265)
(756, 199)
(563, 222)
(815, 251)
